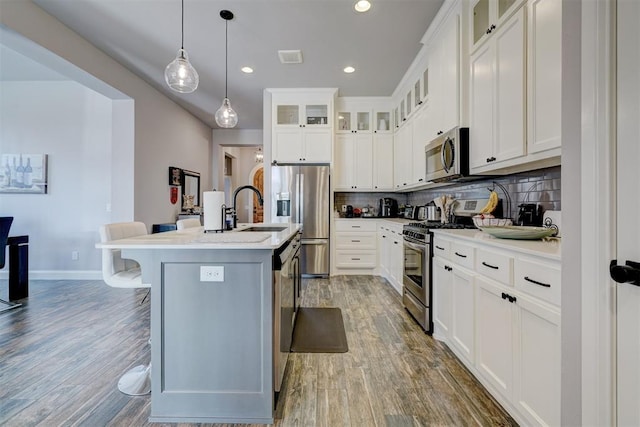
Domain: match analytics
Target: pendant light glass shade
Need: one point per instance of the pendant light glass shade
(180, 74)
(226, 117)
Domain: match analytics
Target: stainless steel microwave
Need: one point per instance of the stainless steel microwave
(447, 156)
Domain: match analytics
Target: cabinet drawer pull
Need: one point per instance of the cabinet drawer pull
(439, 247)
(355, 241)
(460, 255)
(355, 259)
(546, 285)
(395, 243)
(355, 226)
(495, 267)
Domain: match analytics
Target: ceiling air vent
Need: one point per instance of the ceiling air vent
(290, 56)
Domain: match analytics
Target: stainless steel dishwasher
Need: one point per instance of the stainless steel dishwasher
(286, 279)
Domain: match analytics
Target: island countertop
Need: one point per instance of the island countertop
(196, 238)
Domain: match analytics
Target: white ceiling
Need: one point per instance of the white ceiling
(144, 36)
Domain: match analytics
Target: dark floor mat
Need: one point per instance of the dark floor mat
(319, 330)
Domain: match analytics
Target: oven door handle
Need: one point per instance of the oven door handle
(415, 246)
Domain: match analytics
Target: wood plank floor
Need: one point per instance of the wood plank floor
(62, 353)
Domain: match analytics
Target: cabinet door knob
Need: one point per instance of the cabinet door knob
(493, 27)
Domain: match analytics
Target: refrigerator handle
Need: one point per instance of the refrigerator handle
(301, 199)
(296, 209)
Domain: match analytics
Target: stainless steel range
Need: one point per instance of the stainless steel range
(418, 254)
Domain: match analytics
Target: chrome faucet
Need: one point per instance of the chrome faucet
(234, 212)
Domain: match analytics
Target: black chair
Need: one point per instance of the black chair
(5, 225)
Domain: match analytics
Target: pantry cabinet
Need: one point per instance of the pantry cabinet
(302, 125)
(497, 96)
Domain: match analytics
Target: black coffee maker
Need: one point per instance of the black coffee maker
(387, 208)
(530, 214)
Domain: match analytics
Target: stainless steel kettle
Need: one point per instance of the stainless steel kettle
(432, 212)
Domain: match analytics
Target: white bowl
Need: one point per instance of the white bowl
(493, 222)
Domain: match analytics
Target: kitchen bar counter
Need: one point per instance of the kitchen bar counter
(212, 320)
(547, 248)
(196, 238)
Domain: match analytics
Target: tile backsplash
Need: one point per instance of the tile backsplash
(540, 186)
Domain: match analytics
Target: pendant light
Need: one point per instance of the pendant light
(226, 117)
(180, 74)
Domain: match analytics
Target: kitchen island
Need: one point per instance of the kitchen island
(212, 321)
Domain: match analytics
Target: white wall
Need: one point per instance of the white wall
(73, 126)
(165, 134)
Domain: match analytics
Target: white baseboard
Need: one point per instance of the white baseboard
(59, 274)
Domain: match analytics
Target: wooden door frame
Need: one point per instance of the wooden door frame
(598, 207)
(251, 176)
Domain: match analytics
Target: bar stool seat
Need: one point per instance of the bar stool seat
(120, 272)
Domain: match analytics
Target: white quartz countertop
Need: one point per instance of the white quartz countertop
(394, 220)
(548, 248)
(196, 238)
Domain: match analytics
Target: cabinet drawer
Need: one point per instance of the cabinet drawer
(356, 241)
(355, 225)
(441, 247)
(497, 266)
(538, 278)
(355, 259)
(462, 254)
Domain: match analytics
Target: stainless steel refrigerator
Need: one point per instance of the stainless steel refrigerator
(301, 193)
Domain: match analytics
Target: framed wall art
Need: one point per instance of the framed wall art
(23, 173)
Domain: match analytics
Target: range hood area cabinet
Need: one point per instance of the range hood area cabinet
(429, 105)
(302, 125)
(515, 107)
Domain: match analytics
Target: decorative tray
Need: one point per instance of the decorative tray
(518, 232)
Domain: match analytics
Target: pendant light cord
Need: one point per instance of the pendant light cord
(226, 55)
(182, 36)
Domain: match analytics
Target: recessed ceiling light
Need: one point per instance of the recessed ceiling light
(247, 70)
(362, 5)
(349, 69)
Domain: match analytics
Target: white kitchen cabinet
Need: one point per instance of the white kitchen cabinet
(463, 313)
(421, 124)
(402, 157)
(537, 362)
(497, 97)
(353, 165)
(396, 252)
(355, 246)
(384, 256)
(383, 161)
(515, 352)
(487, 17)
(444, 75)
(495, 330)
(302, 127)
(544, 96)
(442, 298)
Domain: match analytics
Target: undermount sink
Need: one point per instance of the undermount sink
(267, 229)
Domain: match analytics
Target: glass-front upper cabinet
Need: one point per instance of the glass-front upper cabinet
(288, 115)
(487, 15)
(353, 121)
(417, 97)
(409, 104)
(396, 117)
(425, 84)
(403, 116)
(344, 121)
(302, 115)
(382, 123)
(316, 114)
